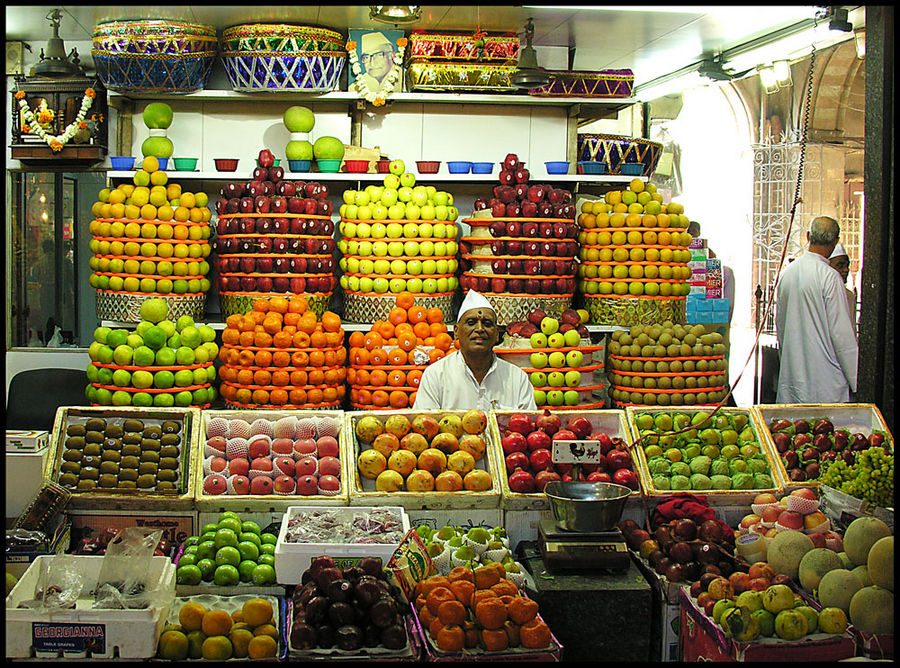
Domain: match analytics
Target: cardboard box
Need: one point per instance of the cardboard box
(24, 478)
(713, 264)
(26, 440)
(713, 293)
(697, 265)
(17, 561)
(697, 242)
(698, 289)
(176, 526)
(699, 254)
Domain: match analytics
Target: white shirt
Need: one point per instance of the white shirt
(449, 384)
(817, 341)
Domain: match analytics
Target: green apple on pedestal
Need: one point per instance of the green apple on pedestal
(556, 340)
(574, 358)
(573, 378)
(556, 359)
(538, 378)
(538, 360)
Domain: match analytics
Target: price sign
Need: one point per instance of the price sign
(576, 452)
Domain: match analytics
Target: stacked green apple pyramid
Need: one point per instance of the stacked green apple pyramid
(150, 239)
(397, 237)
(161, 363)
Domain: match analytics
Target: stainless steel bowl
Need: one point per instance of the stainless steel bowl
(586, 507)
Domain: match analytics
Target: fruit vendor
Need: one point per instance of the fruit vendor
(473, 376)
(816, 338)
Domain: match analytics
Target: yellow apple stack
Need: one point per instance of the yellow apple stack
(634, 257)
(522, 250)
(397, 237)
(150, 239)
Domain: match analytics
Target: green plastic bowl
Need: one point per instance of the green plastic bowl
(185, 164)
(274, 164)
(329, 166)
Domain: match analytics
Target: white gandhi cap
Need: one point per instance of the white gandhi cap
(838, 252)
(373, 41)
(474, 300)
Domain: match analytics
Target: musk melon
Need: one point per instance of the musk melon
(846, 561)
(837, 587)
(862, 572)
(157, 115)
(872, 610)
(861, 535)
(786, 550)
(816, 563)
(881, 563)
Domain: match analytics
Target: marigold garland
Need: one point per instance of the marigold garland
(379, 97)
(56, 143)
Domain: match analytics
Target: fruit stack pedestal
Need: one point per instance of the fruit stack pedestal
(522, 250)
(634, 257)
(397, 237)
(274, 237)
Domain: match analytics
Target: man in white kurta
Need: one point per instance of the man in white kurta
(473, 376)
(816, 339)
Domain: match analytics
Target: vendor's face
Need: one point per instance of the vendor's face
(378, 64)
(842, 264)
(477, 332)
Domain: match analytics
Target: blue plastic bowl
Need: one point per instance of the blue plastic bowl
(592, 167)
(300, 165)
(163, 163)
(122, 163)
(482, 167)
(557, 167)
(459, 167)
(632, 169)
(329, 166)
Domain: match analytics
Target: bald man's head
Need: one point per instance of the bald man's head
(823, 235)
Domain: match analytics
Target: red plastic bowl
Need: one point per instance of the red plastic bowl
(226, 164)
(356, 166)
(383, 166)
(428, 166)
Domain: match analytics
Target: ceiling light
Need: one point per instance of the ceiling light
(768, 80)
(529, 74)
(670, 84)
(782, 71)
(860, 37)
(395, 14)
(55, 62)
(838, 20)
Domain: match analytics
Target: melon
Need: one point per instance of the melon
(846, 561)
(299, 119)
(862, 572)
(786, 550)
(837, 587)
(861, 535)
(816, 563)
(328, 148)
(872, 610)
(157, 115)
(881, 563)
(298, 149)
(160, 147)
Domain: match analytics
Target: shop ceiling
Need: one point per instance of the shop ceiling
(650, 41)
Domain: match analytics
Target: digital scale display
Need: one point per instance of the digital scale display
(569, 550)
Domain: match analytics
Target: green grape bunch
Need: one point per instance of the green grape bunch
(871, 478)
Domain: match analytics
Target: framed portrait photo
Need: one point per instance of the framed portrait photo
(375, 51)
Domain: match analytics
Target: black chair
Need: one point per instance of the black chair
(35, 395)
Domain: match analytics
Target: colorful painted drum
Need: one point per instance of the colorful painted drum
(614, 151)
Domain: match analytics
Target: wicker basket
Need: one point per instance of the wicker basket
(367, 308)
(513, 309)
(606, 83)
(126, 306)
(157, 56)
(617, 150)
(630, 311)
(242, 302)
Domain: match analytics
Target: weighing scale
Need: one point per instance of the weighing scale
(572, 550)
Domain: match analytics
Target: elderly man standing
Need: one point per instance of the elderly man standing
(819, 352)
(473, 376)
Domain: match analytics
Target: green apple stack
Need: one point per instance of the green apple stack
(160, 363)
(634, 247)
(228, 553)
(667, 365)
(151, 238)
(398, 237)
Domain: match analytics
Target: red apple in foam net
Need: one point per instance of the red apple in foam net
(307, 465)
(241, 484)
(239, 466)
(805, 492)
(764, 498)
(260, 448)
(307, 485)
(214, 484)
(261, 466)
(329, 483)
(284, 466)
(329, 466)
(304, 447)
(749, 520)
(283, 446)
(217, 443)
(327, 446)
(813, 520)
(261, 485)
(218, 464)
(283, 484)
(790, 520)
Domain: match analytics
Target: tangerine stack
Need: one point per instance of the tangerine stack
(282, 355)
(387, 362)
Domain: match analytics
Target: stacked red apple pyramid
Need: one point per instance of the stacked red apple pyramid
(557, 355)
(150, 237)
(398, 237)
(279, 455)
(387, 362)
(527, 443)
(797, 511)
(282, 355)
(527, 247)
(634, 246)
(274, 235)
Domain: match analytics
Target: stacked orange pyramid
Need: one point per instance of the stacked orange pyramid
(386, 363)
(281, 355)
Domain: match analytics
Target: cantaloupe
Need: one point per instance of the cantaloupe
(846, 561)
(837, 587)
(862, 572)
(861, 535)
(881, 563)
(786, 550)
(872, 610)
(816, 563)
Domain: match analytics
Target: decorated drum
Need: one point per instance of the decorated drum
(278, 57)
(460, 76)
(500, 48)
(154, 55)
(627, 311)
(617, 150)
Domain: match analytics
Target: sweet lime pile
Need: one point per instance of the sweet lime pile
(227, 553)
(161, 363)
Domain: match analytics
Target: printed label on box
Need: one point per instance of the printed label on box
(409, 565)
(697, 242)
(714, 264)
(53, 637)
(26, 440)
(713, 293)
(176, 528)
(697, 265)
(698, 289)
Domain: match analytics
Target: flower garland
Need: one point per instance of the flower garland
(56, 142)
(377, 98)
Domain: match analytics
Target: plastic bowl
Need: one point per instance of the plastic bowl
(329, 166)
(226, 164)
(163, 163)
(482, 167)
(185, 164)
(383, 166)
(299, 165)
(459, 167)
(274, 164)
(428, 166)
(122, 163)
(557, 167)
(356, 166)
(591, 167)
(632, 169)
